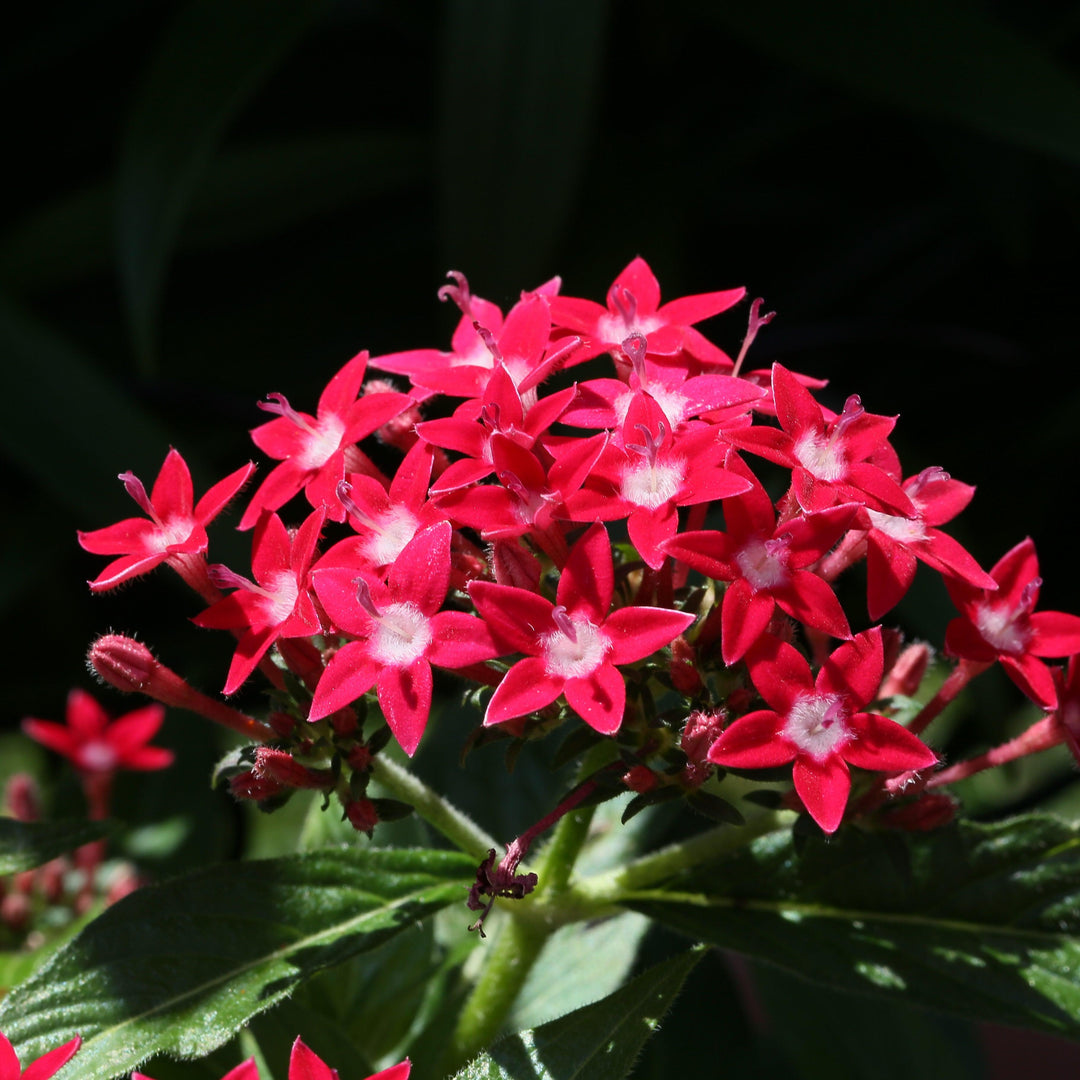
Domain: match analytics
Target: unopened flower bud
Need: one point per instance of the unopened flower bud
(640, 779)
(513, 565)
(22, 797)
(684, 672)
(15, 910)
(362, 815)
(907, 673)
(281, 767)
(249, 786)
(926, 813)
(360, 758)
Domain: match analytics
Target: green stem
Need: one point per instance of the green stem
(441, 815)
(607, 888)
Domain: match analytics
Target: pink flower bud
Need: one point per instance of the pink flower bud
(640, 779)
(22, 798)
(280, 767)
(362, 815)
(684, 672)
(15, 910)
(249, 786)
(908, 671)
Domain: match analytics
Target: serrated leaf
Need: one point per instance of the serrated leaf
(600, 1041)
(947, 60)
(980, 920)
(179, 968)
(211, 60)
(26, 844)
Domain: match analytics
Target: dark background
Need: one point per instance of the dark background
(213, 200)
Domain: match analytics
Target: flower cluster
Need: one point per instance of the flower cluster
(602, 548)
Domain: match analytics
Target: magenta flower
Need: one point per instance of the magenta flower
(40, 1069)
(633, 307)
(95, 743)
(1003, 625)
(400, 632)
(573, 646)
(316, 451)
(172, 528)
(277, 604)
(766, 565)
(819, 724)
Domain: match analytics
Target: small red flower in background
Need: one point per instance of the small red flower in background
(41, 1069)
(819, 724)
(304, 1064)
(1003, 625)
(95, 743)
(172, 527)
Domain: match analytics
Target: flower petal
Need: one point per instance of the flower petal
(823, 787)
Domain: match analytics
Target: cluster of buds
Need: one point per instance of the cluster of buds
(601, 549)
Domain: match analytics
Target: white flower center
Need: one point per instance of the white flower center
(615, 328)
(97, 756)
(760, 568)
(820, 457)
(322, 442)
(576, 658)
(816, 724)
(174, 530)
(392, 533)
(901, 529)
(402, 635)
(651, 484)
(1001, 628)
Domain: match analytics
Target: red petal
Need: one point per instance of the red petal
(823, 787)
(515, 616)
(172, 493)
(525, 688)
(400, 1071)
(688, 310)
(136, 728)
(121, 570)
(854, 670)
(281, 484)
(1056, 634)
(637, 632)
(270, 549)
(641, 281)
(753, 742)
(890, 570)
(598, 699)
(49, 1063)
(780, 673)
(405, 699)
(251, 649)
(342, 390)
(810, 600)
(53, 735)
(10, 1069)
(1033, 677)
(85, 715)
(305, 1064)
(460, 640)
(350, 674)
(883, 745)
(796, 408)
(217, 497)
(744, 615)
(650, 529)
(1014, 570)
(132, 535)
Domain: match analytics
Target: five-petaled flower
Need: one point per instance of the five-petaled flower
(820, 724)
(95, 743)
(573, 646)
(172, 529)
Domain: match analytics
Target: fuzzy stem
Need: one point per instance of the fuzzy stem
(958, 678)
(441, 815)
(1040, 736)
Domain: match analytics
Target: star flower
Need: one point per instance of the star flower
(316, 451)
(1003, 625)
(819, 724)
(399, 633)
(277, 604)
(40, 1069)
(173, 527)
(96, 743)
(573, 646)
(633, 307)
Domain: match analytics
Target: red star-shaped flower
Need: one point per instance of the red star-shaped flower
(819, 724)
(41, 1069)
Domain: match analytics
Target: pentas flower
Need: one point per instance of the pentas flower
(277, 603)
(895, 542)
(1003, 625)
(831, 460)
(1068, 708)
(304, 1064)
(96, 743)
(819, 724)
(316, 451)
(400, 632)
(574, 646)
(633, 307)
(173, 526)
(652, 474)
(766, 564)
(41, 1068)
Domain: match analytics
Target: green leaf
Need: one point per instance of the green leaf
(26, 844)
(579, 965)
(939, 58)
(981, 920)
(600, 1041)
(211, 61)
(179, 968)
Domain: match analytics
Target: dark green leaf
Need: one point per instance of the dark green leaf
(982, 920)
(179, 968)
(600, 1041)
(940, 58)
(211, 61)
(26, 844)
